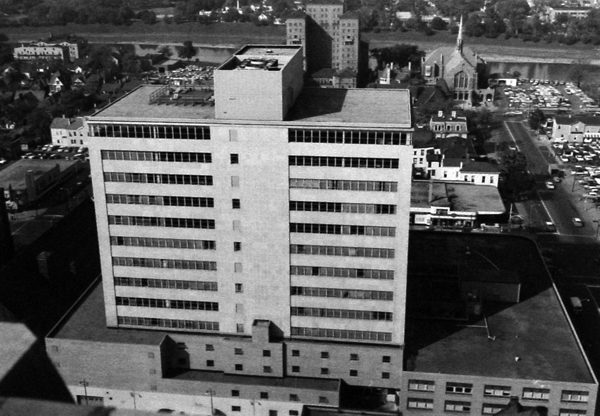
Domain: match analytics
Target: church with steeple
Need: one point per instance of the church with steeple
(458, 67)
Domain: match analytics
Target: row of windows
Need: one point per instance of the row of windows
(342, 313)
(157, 156)
(327, 292)
(344, 185)
(168, 323)
(163, 243)
(499, 391)
(151, 132)
(161, 222)
(382, 253)
(342, 272)
(348, 137)
(345, 207)
(159, 178)
(165, 263)
(275, 412)
(167, 303)
(171, 201)
(342, 229)
(486, 408)
(341, 334)
(344, 162)
(166, 284)
(353, 357)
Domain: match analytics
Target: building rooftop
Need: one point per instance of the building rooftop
(86, 321)
(264, 57)
(67, 123)
(14, 174)
(17, 340)
(470, 166)
(366, 107)
(588, 120)
(459, 196)
(533, 338)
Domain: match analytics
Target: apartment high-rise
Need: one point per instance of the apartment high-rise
(262, 230)
(332, 45)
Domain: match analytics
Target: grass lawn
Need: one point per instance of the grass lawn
(237, 34)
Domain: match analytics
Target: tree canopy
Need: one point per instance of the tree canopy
(188, 51)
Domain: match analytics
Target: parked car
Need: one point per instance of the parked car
(577, 222)
(550, 185)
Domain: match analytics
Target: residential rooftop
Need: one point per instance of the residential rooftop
(532, 339)
(460, 196)
(369, 108)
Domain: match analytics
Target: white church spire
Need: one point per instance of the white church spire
(459, 39)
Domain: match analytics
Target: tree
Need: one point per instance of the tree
(437, 23)
(456, 8)
(103, 62)
(515, 12)
(147, 16)
(188, 51)
(38, 124)
(579, 70)
(6, 54)
(165, 50)
(400, 55)
(517, 179)
(536, 119)
(474, 27)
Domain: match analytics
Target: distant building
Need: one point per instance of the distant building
(331, 40)
(486, 327)
(448, 124)
(458, 67)
(40, 50)
(26, 180)
(451, 204)
(579, 12)
(576, 129)
(68, 131)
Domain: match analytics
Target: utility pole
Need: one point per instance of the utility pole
(211, 393)
(84, 383)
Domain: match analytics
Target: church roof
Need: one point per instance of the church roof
(452, 57)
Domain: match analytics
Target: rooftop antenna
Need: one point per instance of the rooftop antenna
(487, 328)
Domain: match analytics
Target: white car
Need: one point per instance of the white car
(550, 185)
(577, 222)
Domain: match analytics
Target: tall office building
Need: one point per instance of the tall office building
(254, 251)
(332, 45)
(263, 230)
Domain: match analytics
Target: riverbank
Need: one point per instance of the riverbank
(228, 36)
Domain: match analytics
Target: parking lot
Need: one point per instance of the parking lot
(548, 96)
(50, 151)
